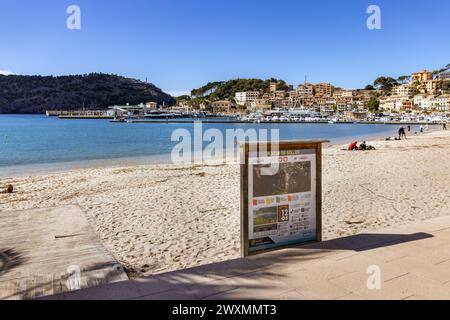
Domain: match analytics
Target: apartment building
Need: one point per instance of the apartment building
(260, 105)
(273, 87)
(404, 90)
(222, 106)
(422, 76)
(344, 94)
(423, 101)
(343, 105)
(396, 103)
(243, 98)
(152, 105)
(306, 89)
(441, 103)
(323, 89)
(433, 85)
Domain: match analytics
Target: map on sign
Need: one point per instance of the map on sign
(282, 199)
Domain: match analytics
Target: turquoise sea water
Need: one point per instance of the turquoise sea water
(36, 139)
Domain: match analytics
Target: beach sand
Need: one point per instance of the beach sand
(159, 218)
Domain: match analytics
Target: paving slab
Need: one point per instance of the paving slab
(51, 251)
(409, 262)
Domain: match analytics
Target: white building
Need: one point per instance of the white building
(344, 94)
(243, 98)
(404, 90)
(441, 103)
(394, 103)
(423, 101)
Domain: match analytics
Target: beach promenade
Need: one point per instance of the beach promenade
(51, 250)
(413, 263)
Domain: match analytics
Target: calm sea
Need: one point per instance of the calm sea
(36, 139)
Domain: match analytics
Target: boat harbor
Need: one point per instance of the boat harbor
(143, 114)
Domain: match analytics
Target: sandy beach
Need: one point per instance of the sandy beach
(159, 218)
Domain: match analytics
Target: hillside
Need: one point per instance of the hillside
(227, 89)
(35, 94)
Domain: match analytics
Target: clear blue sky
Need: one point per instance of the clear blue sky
(182, 44)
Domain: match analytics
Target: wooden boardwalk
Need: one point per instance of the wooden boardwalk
(50, 251)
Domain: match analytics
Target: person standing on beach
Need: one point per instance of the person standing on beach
(444, 126)
(401, 133)
(421, 128)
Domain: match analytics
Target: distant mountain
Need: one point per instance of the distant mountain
(35, 94)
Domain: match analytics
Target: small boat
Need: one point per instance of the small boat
(120, 120)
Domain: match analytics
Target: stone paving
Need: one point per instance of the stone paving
(413, 263)
(50, 251)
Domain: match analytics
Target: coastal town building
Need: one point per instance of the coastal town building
(396, 103)
(306, 89)
(152, 105)
(422, 76)
(242, 98)
(260, 105)
(441, 103)
(222, 106)
(423, 101)
(432, 86)
(273, 87)
(323, 89)
(365, 95)
(344, 94)
(404, 90)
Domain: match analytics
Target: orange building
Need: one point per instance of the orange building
(422, 76)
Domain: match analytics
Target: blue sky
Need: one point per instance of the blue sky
(182, 44)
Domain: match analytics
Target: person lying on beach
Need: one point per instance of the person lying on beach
(392, 139)
(353, 146)
(364, 147)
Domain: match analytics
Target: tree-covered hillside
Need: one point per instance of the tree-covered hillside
(35, 94)
(227, 89)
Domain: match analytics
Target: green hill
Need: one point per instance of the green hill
(35, 94)
(227, 89)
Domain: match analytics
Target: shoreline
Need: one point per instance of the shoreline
(163, 217)
(10, 172)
